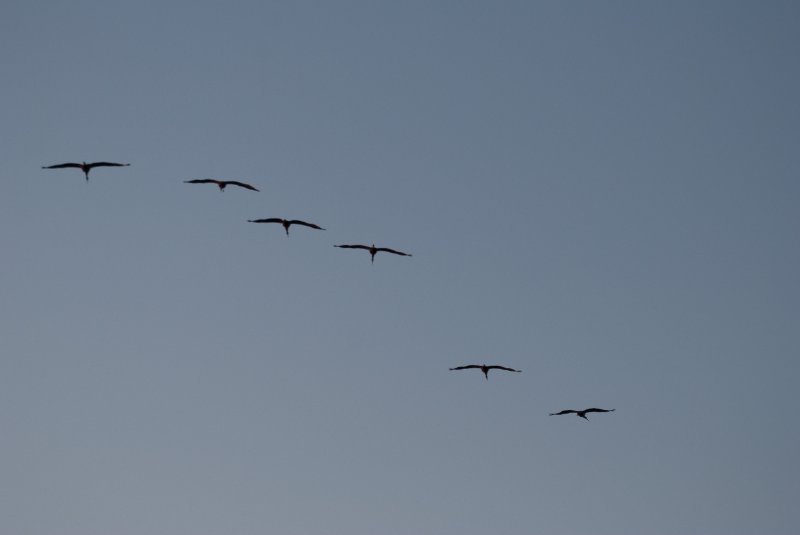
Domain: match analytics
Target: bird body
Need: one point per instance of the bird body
(285, 222)
(85, 167)
(581, 414)
(485, 369)
(220, 183)
(373, 250)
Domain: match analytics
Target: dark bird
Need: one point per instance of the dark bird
(220, 183)
(285, 222)
(582, 413)
(485, 369)
(86, 167)
(372, 250)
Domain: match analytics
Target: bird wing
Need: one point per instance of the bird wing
(595, 409)
(465, 367)
(62, 165)
(503, 368)
(353, 247)
(391, 251)
(202, 181)
(107, 164)
(268, 220)
(240, 184)
(568, 411)
(298, 222)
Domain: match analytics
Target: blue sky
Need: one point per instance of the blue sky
(601, 194)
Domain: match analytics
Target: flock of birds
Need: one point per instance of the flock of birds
(286, 223)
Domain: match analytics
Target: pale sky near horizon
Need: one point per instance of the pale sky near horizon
(601, 194)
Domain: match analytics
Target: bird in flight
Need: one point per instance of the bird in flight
(372, 250)
(485, 369)
(85, 167)
(582, 413)
(286, 223)
(220, 183)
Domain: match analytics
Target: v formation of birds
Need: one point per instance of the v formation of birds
(286, 223)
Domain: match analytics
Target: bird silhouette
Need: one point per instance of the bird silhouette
(85, 167)
(286, 223)
(220, 183)
(485, 369)
(581, 414)
(373, 250)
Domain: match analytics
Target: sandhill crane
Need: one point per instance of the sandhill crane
(285, 222)
(581, 414)
(372, 250)
(85, 167)
(485, 369)
(220, 183)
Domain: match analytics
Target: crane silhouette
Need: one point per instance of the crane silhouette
(581, 414)
(85, 167)
(220, 183)
(485, 369)
(286, 223)
(373, 250)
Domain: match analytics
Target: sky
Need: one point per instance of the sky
(602, 194)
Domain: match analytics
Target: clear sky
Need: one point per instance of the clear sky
(603, 194)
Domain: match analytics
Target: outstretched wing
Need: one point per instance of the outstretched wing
(465, 367)
(353, 247)
(107, 164)
(202, 181)
(62, 166)
(391, 251)
(268, 220)
(240, 184)
(568, 411)
(311, 225)
(595, 409)
(495, 367)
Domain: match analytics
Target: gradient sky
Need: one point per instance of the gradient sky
(603, 194)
